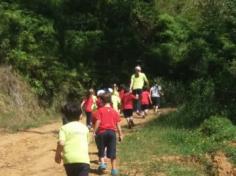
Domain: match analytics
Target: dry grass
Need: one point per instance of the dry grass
(18, 105)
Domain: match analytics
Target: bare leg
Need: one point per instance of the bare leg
(128, 122)
(132, 121)
(113, 163)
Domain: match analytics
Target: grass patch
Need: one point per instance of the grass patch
(174, 169)
(162, 137)
(231, 153)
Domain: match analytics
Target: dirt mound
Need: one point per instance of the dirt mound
(222, 166)
(18, 104)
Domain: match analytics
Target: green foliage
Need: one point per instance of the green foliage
(199, 104)
(79, 44)
(218, 128)
(174, 92)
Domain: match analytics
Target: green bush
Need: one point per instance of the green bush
(198, 104)
(218, 128)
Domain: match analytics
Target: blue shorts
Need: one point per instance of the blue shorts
(107, 140)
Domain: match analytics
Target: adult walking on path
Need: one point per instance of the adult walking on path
(137, 82)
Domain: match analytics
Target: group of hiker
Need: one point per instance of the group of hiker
(103, 110)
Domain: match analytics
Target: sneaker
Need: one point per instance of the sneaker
(129, 125)
(114, 172)
(102, 167)
(132, 123)
(138, 113)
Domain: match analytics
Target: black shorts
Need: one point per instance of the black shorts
(137, 91)
(144, 107)
(128, 113)
(88, 118)
(107, 140)
(77, 169)
(156, 101)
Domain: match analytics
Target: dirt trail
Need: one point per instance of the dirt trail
(31, 153)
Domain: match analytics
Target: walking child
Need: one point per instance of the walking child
(127, 106)
(121, 91)
(88, 105)
(115, 99)
(99, 102)
(72, 146)
(156, 92)
(145, 101)
(107, 121)
(115, 89)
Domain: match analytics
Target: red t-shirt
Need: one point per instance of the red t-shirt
(145, 98)
(88, 103)
(127, 101)
(108, 117)
(121, 93)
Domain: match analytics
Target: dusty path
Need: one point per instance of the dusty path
(31, 153)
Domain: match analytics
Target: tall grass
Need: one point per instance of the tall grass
(164, 137)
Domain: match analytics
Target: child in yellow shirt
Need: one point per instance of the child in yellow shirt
(72, 146)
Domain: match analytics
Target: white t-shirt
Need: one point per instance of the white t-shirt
(155, 91)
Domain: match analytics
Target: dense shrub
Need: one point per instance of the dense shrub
(218, 128)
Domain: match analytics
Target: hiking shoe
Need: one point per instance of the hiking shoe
(114, 172)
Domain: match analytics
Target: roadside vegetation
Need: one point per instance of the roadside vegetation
(164, 147)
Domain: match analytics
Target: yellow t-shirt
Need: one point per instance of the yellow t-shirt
(94, 106)
(115, 92)
(115, 102)
(74, 135)
(138, 82)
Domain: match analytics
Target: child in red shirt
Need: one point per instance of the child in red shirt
(107, 121)
(87, 104)
(99, 102)
(121, 91)
(145, 100)
(127, 106)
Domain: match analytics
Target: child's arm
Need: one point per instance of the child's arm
(119, 131)
(58, 155)
(150, 99)
(135, 97)
(96, 126)
(82, 105)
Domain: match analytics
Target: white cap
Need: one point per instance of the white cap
(110, 90)
(100, 92)
(138, 68)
